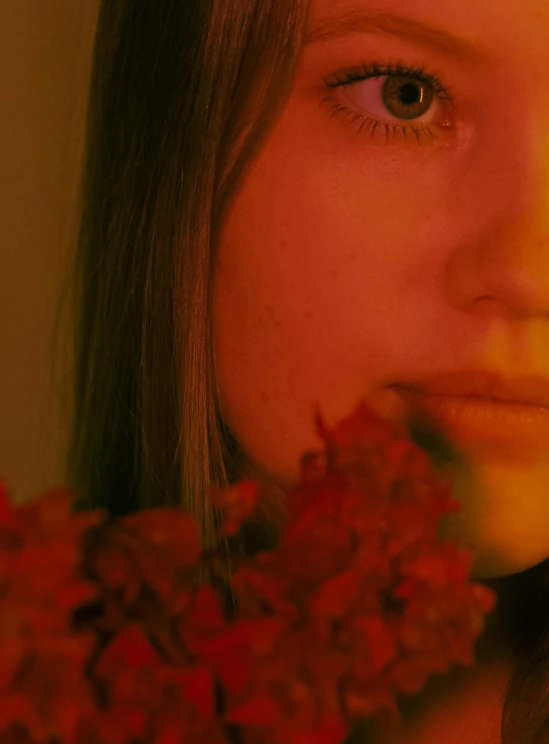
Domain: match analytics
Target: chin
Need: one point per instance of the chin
(493, 564)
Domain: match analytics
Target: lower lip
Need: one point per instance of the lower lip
(487, 426)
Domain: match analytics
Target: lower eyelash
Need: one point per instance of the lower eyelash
(372, 125)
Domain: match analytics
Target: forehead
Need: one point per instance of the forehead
(500, 27)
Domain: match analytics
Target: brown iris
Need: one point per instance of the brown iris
(407, 98)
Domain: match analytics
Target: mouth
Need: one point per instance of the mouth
(477, 425)
(476, 383)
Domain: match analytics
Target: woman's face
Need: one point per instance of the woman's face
(392, 229)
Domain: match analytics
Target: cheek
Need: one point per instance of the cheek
(311, 257)
(322, 291)
(296, 321)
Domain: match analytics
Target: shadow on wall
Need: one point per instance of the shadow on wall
(45, 57)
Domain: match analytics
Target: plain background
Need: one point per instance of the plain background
(45, 58)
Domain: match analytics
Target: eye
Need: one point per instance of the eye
(395, 98)
(403, 97)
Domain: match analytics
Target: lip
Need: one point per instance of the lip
(473, 383)
(484, 413)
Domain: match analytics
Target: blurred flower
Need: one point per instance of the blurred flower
(107, 638)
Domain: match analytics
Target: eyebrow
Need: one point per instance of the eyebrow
(360, 20)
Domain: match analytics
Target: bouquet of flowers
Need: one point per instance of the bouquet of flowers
(106, 638)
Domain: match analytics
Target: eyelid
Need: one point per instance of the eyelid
(397, 68)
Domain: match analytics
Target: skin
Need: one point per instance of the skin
(347, 264)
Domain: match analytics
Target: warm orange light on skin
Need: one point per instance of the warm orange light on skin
(346, 264)
(360, 19)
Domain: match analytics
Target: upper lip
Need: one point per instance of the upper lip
(526, 390)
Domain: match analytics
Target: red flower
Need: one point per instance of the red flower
(43, 685)
(105, 636)
(147, 699)
(358, 573)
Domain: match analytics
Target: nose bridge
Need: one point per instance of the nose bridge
(520, 162)
(506, 261)
(523, 216)
(535, 139)
(511, 257)
(530, 194)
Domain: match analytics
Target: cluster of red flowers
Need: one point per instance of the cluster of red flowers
(106, 638)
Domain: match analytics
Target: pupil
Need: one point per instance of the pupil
(409, 93)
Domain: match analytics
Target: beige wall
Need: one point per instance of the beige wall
(45, 52)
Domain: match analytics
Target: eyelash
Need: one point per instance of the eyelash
(373, 70)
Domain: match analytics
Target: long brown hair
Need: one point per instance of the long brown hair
(182, 96)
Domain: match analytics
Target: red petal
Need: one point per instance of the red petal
(234, 671)
(198, 687)
(334, 732)
(205, 612)
(130, 647)
(165, 527)
(50, 511)
(261, 710)
(257, 581)
(255, 635)
(73, 594)
(336, 596)
(378, 639)
(112, 564)
(237, 502)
